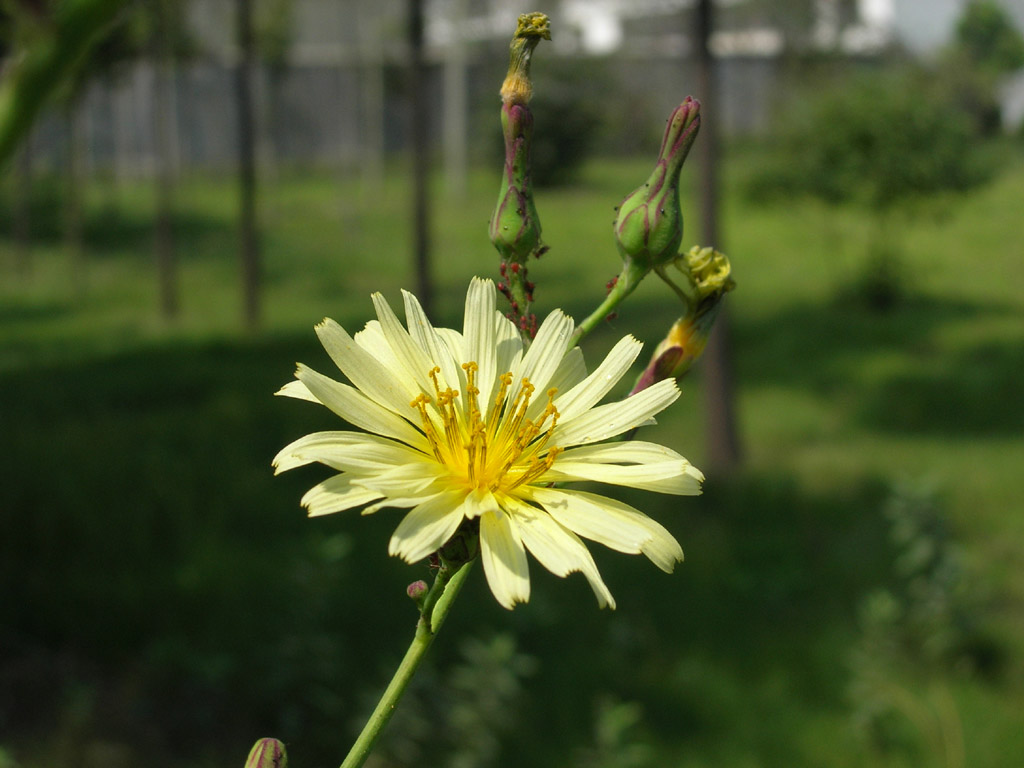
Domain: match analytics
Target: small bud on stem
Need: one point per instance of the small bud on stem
(515, 226)
(649, 226)
(417, 590)
(267, 753)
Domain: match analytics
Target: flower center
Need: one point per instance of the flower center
(496, 450)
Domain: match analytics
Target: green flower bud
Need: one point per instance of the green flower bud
(267, 753)
(515, 226)
(649, 226)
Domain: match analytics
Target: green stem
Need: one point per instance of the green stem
(435, 609)
(625, 284)
(679, 292)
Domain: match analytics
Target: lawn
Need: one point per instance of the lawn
(166, 602)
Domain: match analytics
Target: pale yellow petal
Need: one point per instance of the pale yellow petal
(403, 502)
(359, 410)
(555, 547)
(570, 372)
(662, 549)
(411, 356)
(345, 452)
(336, 494)
(662, 477)
(298, 390)
(480, 335)
(456, 346)
(455, 342)
(362, 368)
(426, 336)
(607, 421)
(589, 392)
(616, 525)
(504, 559)
(427, 527)
(373, 341)
(509, 347)
(405, 480)
(544, 356)
(627, 452)
(478, 502)
(605, 522)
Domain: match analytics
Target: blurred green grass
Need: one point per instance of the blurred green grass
(163, 591)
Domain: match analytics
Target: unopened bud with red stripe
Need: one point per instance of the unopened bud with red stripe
(515, 226)
(649, 226)
(267, 753)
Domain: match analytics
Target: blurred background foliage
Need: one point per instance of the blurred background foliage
(853, 595)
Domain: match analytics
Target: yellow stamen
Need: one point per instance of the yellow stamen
(420, 403)
(497, 450)
(433, 377)
(537, 468)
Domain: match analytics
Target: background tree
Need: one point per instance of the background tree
(248, 243)
(162, 38)
(989, 39)
(886, 142)
(22, 208)
(986, 47)
(723, 445)
(119, 44)
(155, 30)
(139, 30)
(417, 105)
(274, 29)
(370, 25)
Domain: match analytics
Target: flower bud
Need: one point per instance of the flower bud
(649, 226)
(708, 271)
(267, 753)
(417, 590)
(710, 276)
(531, 28)
(515, 226)
(673, 356)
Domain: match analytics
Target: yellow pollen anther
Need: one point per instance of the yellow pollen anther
(420, 403)
(498, 450)
(433, 377)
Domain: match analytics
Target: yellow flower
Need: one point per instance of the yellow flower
(472, 426)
